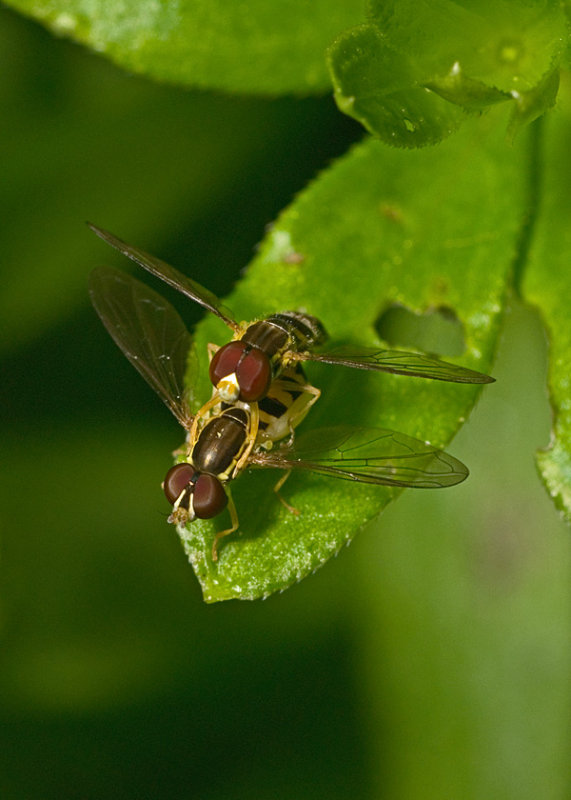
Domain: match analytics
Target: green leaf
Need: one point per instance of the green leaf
(381, 227)
(472, 55)
(376, 85)
(254, 46)
(548, 286)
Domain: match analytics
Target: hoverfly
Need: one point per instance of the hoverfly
(244, 368)
(223, 440)
(220, 438)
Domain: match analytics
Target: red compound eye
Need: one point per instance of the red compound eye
(254, 375)
(252, 368)
(176, 481)
(209, 497)
(225, 361)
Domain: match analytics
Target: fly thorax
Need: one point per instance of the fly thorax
(305, 332)
(268, 336)
(221, 442)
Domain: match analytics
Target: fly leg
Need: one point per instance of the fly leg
(228, 531)
(202, 415)
(310, 396)
(277, 488)
(252, 435)
(288, 401)
(212, 349)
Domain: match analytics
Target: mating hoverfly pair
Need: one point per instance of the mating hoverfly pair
(260, 395)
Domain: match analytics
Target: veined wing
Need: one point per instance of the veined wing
(160, 269)
(367, 455)
(399, 363)
(148, 330)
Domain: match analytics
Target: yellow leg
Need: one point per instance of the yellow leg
(283, 390)
(202, 414)
(298, 417)
(252, 434)
(228, 531)
(212, 349)
(277, 488)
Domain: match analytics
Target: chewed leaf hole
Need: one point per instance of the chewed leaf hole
(437, 331)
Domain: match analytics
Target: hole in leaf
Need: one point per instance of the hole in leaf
(437, 331)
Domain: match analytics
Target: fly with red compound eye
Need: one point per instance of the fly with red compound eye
(224, 440)
(244, 368)
(220, 438)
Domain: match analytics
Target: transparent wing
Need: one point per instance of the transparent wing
(169, 275)
(367, 455)
(149, 331)
(399, 363)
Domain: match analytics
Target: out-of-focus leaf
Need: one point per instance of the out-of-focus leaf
(252, 46)
(381, 227)
(532, 104)
(566, 6)
(447, 604)
(85, 141)
(388, 73)
(67, 647)
(547, 285)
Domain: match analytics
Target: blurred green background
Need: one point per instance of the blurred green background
(430, 660)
